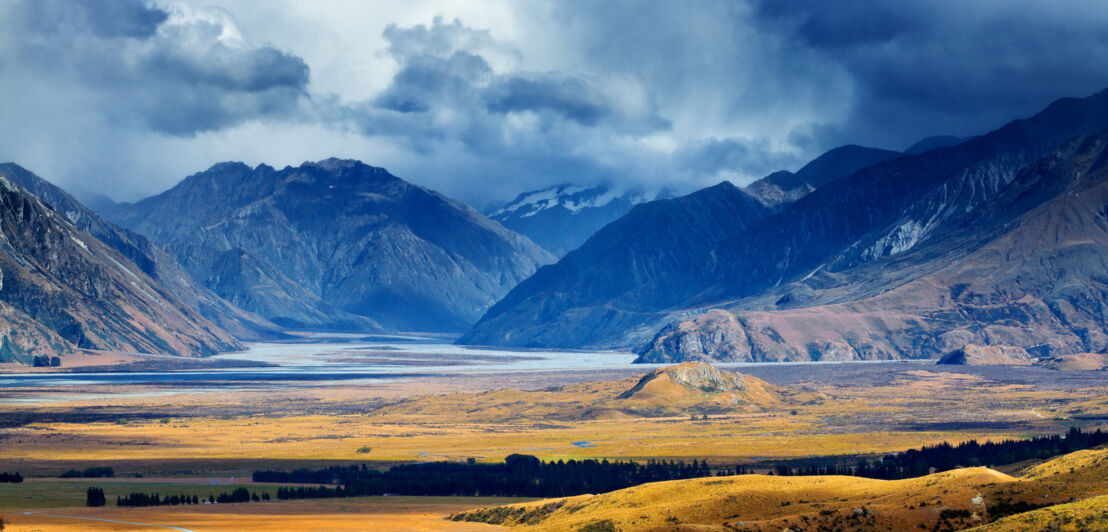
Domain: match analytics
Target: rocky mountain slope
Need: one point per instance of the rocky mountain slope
(562, 217)
(646, 259)
(1026, 270)
(335, 244)
(63, 289)
(782, 188)
(152, 260)
(887, 262)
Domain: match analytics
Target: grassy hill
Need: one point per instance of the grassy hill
(951, 500)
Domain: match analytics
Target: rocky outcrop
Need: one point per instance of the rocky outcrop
(63, 289)
(335, 244)
(697, 377)
(988, 355)
(715, 335)
(1076, 362)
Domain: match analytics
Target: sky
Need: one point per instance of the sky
(484, 100)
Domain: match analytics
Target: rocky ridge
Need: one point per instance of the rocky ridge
(62, 289)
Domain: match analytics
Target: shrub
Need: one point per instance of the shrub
(604, 525)
(365, 449)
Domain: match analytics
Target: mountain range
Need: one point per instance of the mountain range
(562, 217)
(334, 244)
(995, 239)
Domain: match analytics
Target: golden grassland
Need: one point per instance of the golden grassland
(1084, 515)
(923, 408)
(185, 440)
(384, 514)
(951, 500)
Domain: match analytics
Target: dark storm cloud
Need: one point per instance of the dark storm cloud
(925, 67)
(665, 93)
(458, 95)
(104, 18)
(177, 75)
(572, 98)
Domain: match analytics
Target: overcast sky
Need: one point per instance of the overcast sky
(485, 100)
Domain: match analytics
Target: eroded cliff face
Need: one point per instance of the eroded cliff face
(335, 244)
(64, 289)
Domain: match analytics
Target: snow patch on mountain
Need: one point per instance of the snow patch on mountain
(573, 198)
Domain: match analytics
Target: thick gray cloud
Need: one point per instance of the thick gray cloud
(923, 67)
(482, 102)
(173, 72)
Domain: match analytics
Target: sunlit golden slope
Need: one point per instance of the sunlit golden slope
(758, 502)
(1087, 514)
(954, 500)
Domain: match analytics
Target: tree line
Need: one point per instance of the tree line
(519, 475)
(96, 497)
(154, 499)
(527, 476)
(14, 478)
(91, 472)
(944, 456)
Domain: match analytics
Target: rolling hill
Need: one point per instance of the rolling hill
(952, 500)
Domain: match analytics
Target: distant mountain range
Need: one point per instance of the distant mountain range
(997, 240)
(63, 289)
(993, 240)
(561, 218)
(335, 244)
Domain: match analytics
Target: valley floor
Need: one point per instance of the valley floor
(203, 438)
